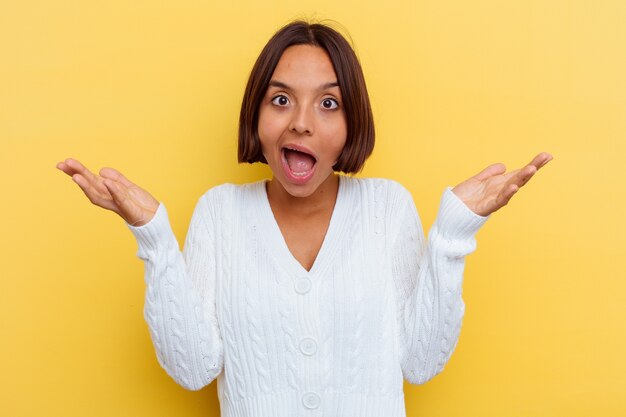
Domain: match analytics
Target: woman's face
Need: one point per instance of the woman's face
(302, 124)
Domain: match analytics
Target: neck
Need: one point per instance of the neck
(322, 199)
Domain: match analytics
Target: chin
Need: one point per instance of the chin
(300, 191)
(305, 190)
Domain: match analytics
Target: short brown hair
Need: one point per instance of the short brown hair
(360, 122)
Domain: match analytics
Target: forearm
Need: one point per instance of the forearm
(433, 315)
(433, 308)
(182, 324)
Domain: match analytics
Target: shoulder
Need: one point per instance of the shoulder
(390, 202)
(223, 197)
(387, 191)
(229, 190)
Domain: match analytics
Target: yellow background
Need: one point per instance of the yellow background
(153, 89)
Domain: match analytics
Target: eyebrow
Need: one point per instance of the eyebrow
(279, 84)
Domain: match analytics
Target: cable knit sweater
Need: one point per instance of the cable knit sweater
(379, 304)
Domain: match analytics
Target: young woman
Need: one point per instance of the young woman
(312, 293)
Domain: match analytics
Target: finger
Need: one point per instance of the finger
(524, 175)
(92, 194)
(122, 198)
(490, 171)
(538, 161)
(114, 174)
(63, 167)
(116, 191)
(505, 196)
(521, 176)
(66, 168)
(541, 159)
(79, 168)
(120, 194)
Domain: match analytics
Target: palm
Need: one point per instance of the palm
(492, 188)
(113, 191)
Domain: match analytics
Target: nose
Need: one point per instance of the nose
(302, 121)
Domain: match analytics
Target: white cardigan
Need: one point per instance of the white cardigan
(379, 304)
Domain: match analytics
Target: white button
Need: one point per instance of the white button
(308, 346)
(302, 285)
(311, 400)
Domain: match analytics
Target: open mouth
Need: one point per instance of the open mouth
(299, 161)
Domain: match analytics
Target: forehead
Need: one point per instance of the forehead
(304, 64)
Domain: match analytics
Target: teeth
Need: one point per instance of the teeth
(299, 174)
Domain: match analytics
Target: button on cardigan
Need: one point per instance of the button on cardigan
(379, 305)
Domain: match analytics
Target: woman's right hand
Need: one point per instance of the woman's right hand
(112, 191)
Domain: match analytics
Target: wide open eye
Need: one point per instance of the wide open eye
(280, 100)
(330, 104)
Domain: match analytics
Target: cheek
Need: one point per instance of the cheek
(337, 137)
(269, 129)
(264, 132)
(336, 144)
(338, 151)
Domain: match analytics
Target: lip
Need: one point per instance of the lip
(297, 179)
(300, 148)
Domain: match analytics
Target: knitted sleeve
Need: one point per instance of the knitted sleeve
(180, 297)
(428, 277)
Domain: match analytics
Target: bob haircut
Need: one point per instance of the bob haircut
(356, 104)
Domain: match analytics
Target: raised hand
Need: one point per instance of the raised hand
(113, 191)
(492, 189)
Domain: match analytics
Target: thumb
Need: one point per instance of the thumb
(115, 175)
(125, 207)
(490, 171)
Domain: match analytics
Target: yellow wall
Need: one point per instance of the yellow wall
(153, 88)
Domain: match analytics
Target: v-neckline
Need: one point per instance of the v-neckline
(278, 244)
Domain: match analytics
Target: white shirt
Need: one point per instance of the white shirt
(379, 304)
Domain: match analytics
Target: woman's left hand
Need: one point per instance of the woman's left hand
(492, 189)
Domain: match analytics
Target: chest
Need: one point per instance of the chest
(304, 237)
(303, 290)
